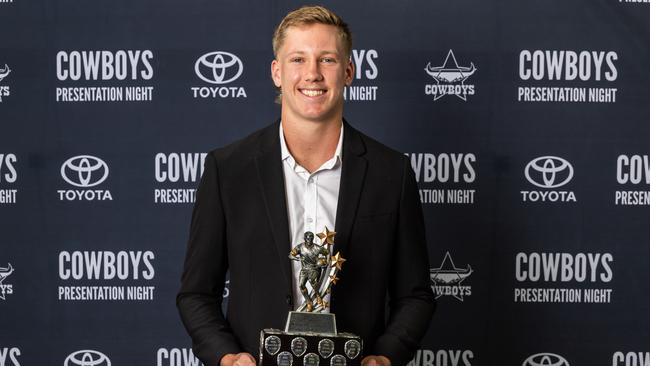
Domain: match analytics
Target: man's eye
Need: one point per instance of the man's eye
(328, 60)
(296, 59)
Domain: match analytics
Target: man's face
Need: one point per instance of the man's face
(312, 68)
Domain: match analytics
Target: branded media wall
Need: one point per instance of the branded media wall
(526, 123)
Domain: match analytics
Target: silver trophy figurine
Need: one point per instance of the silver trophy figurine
(310, 336)
(317, 268)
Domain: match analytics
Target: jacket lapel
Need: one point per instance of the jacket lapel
(271, 180)
(352, 176)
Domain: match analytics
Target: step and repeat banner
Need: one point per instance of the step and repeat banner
(527, 124)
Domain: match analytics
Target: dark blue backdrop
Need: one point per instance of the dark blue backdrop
(526, 122)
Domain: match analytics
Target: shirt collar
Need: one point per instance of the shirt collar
(286, 155)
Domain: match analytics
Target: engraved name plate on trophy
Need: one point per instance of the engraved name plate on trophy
(310, 337)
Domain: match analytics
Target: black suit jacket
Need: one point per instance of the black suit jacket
(240, 224)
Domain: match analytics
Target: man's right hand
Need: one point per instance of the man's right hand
(239, 359)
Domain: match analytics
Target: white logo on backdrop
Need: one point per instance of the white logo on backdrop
(447, 278)
(545, 359)
(87, 358)
(4, 273)
(4, 90)
(84, 171)
(549, 172)
(452, 77)
(4, 72)
(218, 67)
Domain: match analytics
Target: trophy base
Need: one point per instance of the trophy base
(309, 339)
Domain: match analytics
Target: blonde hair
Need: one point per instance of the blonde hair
(307, 15)
(312, 15)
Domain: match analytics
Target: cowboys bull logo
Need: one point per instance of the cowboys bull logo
(446, 279)
(4, 90)
(450, 79)
(5, 289)
(4, 72)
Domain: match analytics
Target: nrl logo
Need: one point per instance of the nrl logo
(446, 279)
(450, 78)
(4, 273)
(4, 72)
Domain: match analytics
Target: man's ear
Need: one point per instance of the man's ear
(275, 73)
(349, 72)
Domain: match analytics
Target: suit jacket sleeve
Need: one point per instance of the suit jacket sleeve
(206, 262)
(411, 301)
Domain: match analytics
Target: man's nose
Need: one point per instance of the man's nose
(313, 72)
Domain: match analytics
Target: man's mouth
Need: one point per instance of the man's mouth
(312, 92)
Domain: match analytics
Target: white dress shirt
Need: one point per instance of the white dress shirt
(311, 202)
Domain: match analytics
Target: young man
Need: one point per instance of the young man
(308, 171)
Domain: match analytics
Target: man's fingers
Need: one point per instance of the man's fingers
(375, 361)
(244, 362)
(248, 356)
(244, 359)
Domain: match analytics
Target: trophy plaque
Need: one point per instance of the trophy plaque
(310, 337)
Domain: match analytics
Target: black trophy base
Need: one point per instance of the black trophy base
(310, 339)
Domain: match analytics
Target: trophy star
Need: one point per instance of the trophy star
(327, 236)
(337, 261)
(333, 279)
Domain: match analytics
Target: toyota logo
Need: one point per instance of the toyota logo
(549, 172)
(545, 359)
(87, 358)
(84, 171)
(218, 67)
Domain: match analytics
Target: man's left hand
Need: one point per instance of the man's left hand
(375, 361)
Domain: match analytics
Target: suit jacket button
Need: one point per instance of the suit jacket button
(289, 301)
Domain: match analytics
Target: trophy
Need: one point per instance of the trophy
(310, 337)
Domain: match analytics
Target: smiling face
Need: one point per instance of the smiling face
(311, 68)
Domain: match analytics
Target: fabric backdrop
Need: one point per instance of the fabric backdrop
(526, 122)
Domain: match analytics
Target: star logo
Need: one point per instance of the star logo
(450, 73)
(447, 278)
(4, 273)
(4, 72)
(4, 90)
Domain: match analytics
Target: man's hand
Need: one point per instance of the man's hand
(239, 359)
(375, 361)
